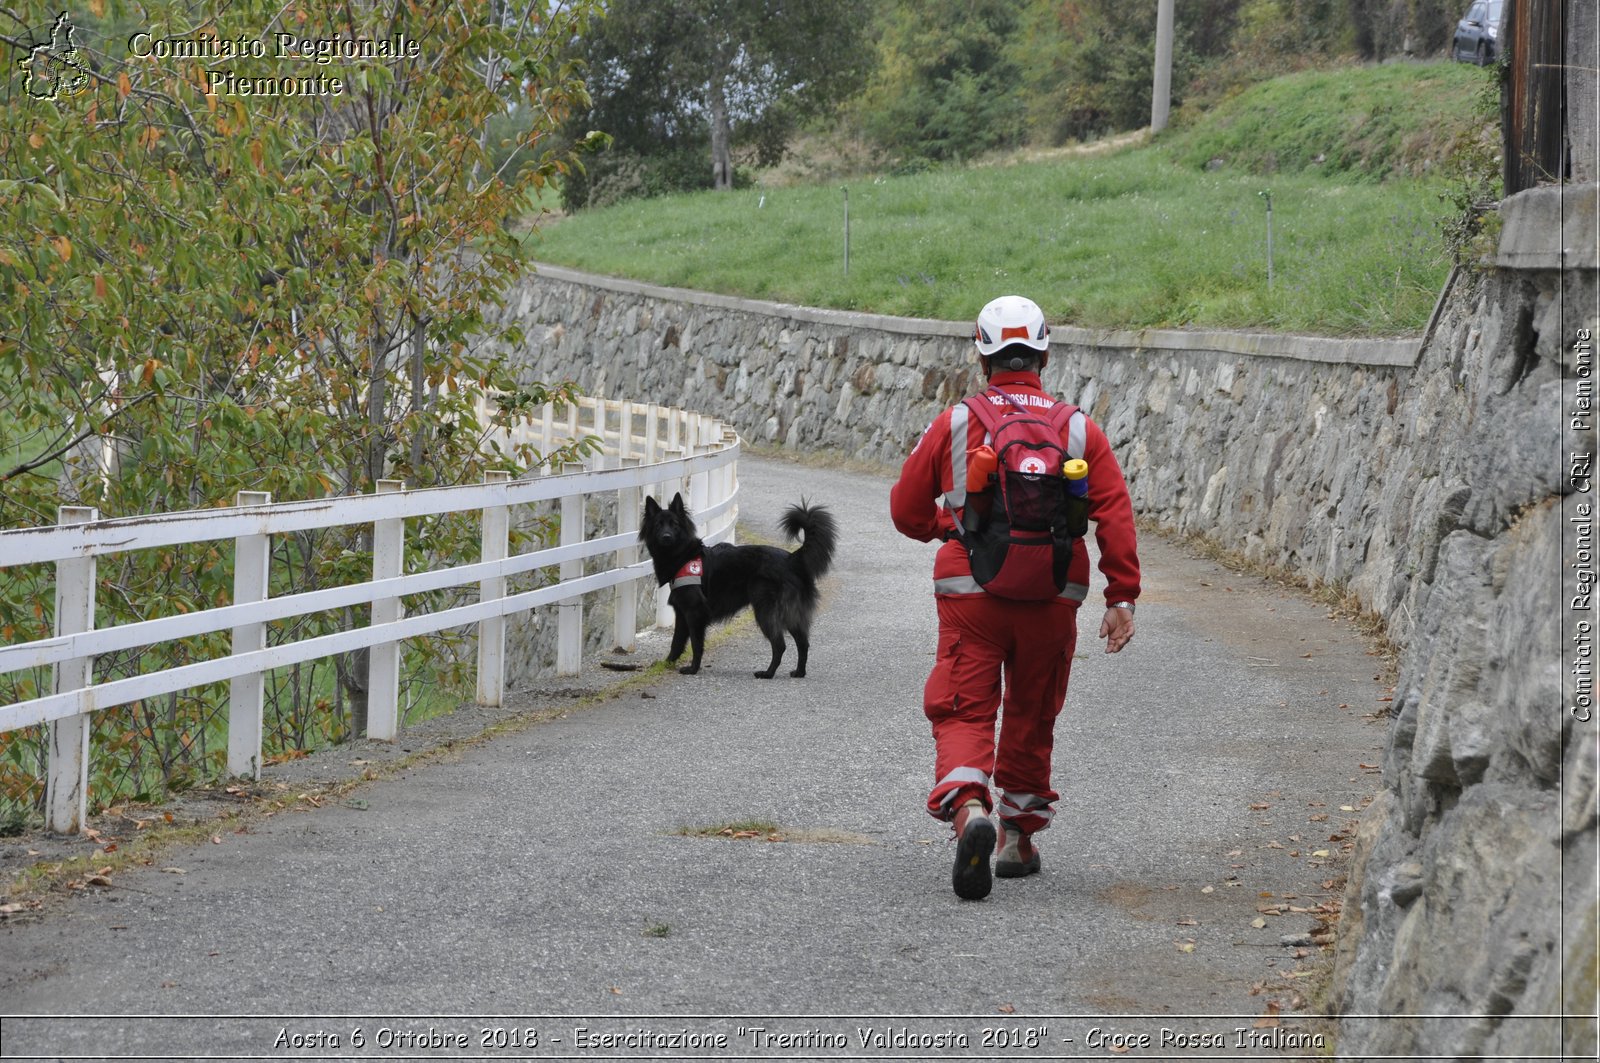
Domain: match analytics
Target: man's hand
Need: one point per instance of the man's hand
(1117, 629)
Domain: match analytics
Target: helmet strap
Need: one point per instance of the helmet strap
(1014, 362)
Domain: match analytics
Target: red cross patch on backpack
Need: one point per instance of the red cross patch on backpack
(1020, 520)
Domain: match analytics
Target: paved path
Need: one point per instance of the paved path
(543, 873)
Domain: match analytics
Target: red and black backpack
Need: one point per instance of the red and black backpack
(1020, 526)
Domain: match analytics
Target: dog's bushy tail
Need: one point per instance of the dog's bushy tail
(821, 536)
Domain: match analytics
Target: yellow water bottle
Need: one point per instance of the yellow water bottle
(1076, 470)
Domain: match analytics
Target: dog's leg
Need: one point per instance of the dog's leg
(680, 638)
(777, 655)
(802, 646)
(697, 637)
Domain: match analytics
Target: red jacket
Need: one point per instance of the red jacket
(917, 507)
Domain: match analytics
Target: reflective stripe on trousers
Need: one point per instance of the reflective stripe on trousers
(953, 783)
(1072, 592)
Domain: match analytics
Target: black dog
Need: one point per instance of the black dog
(713, 583)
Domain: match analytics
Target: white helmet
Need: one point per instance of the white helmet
(1011, 319)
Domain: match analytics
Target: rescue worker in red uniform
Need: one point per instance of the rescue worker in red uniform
(989, 644)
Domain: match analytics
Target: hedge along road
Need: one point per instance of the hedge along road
(545, 876)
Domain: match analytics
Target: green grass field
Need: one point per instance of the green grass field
(1147, 237)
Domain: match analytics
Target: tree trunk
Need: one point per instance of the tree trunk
(420, 423)
(721, 135)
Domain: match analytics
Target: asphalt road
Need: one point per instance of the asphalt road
(543, 881)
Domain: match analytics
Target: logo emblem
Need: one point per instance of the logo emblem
(694, 567)
(52, 71)
(1033, 465)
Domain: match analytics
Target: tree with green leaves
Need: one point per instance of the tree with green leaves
(947, 84)
(670, 78)
(221, 274)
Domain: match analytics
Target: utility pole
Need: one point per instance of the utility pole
(1161, 97)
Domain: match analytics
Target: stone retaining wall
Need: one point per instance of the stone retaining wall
(1427, 478)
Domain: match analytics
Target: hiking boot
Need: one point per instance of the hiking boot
(974, 845)
(1017, 856)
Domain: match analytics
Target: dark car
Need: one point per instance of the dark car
(1477, 38)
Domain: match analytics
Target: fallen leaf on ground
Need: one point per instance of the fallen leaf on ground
(1269, 1020)
(173, 871)
(1258, 922)
(1208, 889)
(1007, 1009)
(1185, 946)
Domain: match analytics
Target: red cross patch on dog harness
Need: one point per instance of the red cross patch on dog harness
(689, 575)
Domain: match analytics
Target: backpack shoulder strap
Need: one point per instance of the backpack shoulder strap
(985, 411)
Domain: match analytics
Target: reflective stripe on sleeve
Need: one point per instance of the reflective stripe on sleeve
(1077, 434)
(957, 495)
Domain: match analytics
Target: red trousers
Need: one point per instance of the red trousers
(987, 645)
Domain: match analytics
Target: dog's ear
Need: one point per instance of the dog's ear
(651, 506)
(677, 504)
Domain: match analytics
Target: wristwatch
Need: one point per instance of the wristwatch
(1121, 605)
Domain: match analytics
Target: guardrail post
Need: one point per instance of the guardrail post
(626, 615)
(699, 487)
(625, 429)
(652, 433)
(730, 482)
(569, 614)
(666, 489)
(492, 630)
(247, 693)
(67, 786)
(383, 671)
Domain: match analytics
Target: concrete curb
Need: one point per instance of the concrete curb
(1333, 350)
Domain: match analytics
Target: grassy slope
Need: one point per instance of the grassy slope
(1147, 237)
(1369, 124)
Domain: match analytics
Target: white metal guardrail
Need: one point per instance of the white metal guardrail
(644, 448)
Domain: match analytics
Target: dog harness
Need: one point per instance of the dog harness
(689, 575)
